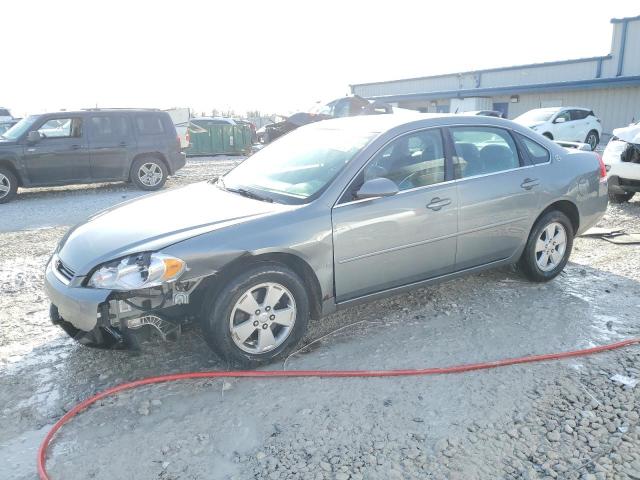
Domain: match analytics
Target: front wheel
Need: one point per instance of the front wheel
(8, 185)
(592, 140)
(548, 247)
(258, 316)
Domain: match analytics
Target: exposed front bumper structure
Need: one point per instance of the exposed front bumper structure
(105, 318)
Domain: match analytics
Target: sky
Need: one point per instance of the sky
(270, 55)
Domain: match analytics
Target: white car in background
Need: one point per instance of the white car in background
(622, 162)
(571, 124)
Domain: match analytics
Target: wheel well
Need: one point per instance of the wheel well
(548, 135)
(569, 209)
(295, 263)
(9, 166)
(157, 155)
(593, 130)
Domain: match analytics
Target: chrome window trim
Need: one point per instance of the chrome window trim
(508, 129)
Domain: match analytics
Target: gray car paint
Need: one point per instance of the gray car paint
(210, 228)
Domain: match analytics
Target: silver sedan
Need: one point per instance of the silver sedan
(335, 213)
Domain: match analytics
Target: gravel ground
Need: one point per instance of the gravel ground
(565, 419)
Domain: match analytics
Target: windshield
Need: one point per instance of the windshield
(19, 128)
(536, 116)
(298, 165)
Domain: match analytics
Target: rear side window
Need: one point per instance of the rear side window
(579, 114)
(537, 152)
(483, 150)
(149, 125)
(108, 127)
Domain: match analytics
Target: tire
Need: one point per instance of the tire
(531, 259)
(593, 139)
(620, 197)
(248, 290)
(8, 185)
(154, 175)
(548, 135)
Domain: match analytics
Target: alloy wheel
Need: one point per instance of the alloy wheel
(592, 141)
(262, 318)
(150, 174)
(551, 246)
(5, 186)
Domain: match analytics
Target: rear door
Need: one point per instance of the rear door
(111, 144)
(61, 155)
(497, 192)
(580, 124)
(381, 243)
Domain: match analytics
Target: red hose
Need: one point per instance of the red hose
(44, 446)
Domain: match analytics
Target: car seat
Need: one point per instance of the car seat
(497, 158)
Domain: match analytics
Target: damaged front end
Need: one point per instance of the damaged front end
(163, 309)
(106, 308)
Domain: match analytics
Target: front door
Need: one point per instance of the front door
(498, 195)
(61, 155)
(110, 142)
(564, 130)
(386, 242)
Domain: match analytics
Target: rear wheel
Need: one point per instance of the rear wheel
(548, 247)
(8, 185)
(620, 197)
(258, 316)
(149, 173)
(592, 139)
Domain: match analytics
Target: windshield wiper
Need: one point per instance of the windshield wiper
(246, 193)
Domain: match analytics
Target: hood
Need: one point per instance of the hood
(630, 134)
(155, 221)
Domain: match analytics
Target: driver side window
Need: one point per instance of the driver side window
(411, 161)
(566, 115)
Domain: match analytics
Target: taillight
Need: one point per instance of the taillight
(187, 137)
(603, 168)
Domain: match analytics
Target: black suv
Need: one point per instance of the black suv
(101, 145)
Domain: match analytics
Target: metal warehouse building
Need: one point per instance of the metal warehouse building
(609, 85)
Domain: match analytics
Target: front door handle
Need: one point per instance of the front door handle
(529, 183)
(76, 147)
(437, 203)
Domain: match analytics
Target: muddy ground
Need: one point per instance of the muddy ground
(565, 419)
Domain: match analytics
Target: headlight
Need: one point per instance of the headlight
(138, 271)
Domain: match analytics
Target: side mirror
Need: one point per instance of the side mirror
(377, 187)
(560, 120)
(33, 137)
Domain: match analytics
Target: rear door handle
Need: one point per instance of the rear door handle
(123, 144)
(437, 203)
(529, 183)
(76, 147)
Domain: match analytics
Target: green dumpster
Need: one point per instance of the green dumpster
(215, 137)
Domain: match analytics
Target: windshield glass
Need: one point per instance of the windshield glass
(298, 165)
(19, 128)
(536, 116)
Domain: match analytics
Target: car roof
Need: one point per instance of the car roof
(377, 123)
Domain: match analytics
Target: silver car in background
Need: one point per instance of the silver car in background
(335, 213)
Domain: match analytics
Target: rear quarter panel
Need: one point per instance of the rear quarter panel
(575, 176)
